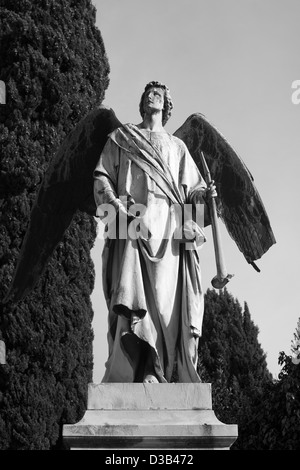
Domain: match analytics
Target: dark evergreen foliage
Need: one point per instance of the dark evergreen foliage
(231, 358)
(55, 69)
(275, 423)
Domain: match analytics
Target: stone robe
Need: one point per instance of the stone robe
(151, 280)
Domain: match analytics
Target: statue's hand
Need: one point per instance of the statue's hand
(211, 190)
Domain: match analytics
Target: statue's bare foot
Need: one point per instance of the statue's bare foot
(149, 371)
(150, 379)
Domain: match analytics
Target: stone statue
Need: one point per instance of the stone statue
(152, 283)
(148, 188)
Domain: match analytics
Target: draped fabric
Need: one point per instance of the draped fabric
(151, 281)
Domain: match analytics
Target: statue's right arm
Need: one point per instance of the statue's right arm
(105, 179)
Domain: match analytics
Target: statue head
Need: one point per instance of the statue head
(168, 104)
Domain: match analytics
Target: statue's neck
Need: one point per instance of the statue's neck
(152, 122)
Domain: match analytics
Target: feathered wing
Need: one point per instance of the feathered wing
(238, 203)
(67, 186)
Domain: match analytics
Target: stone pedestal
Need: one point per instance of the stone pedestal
(149, 416)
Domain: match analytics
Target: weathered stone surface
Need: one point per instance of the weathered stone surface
(139, 396)
(149, 416)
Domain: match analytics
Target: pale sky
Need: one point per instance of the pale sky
(235, 62)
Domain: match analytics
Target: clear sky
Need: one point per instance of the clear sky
(234, 61)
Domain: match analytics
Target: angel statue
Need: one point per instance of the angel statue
(137, 179)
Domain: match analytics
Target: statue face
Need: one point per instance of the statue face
(154, 99)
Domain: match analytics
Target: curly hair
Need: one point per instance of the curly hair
(168, 104)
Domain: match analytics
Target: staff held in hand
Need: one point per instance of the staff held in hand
(222, 277)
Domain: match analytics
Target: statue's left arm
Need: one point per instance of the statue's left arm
(194, 185)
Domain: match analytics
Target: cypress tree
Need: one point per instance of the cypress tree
(275, 422)
(231, 358)
(54, 65)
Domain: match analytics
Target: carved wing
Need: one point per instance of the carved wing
(67, 186)
(238, 203)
